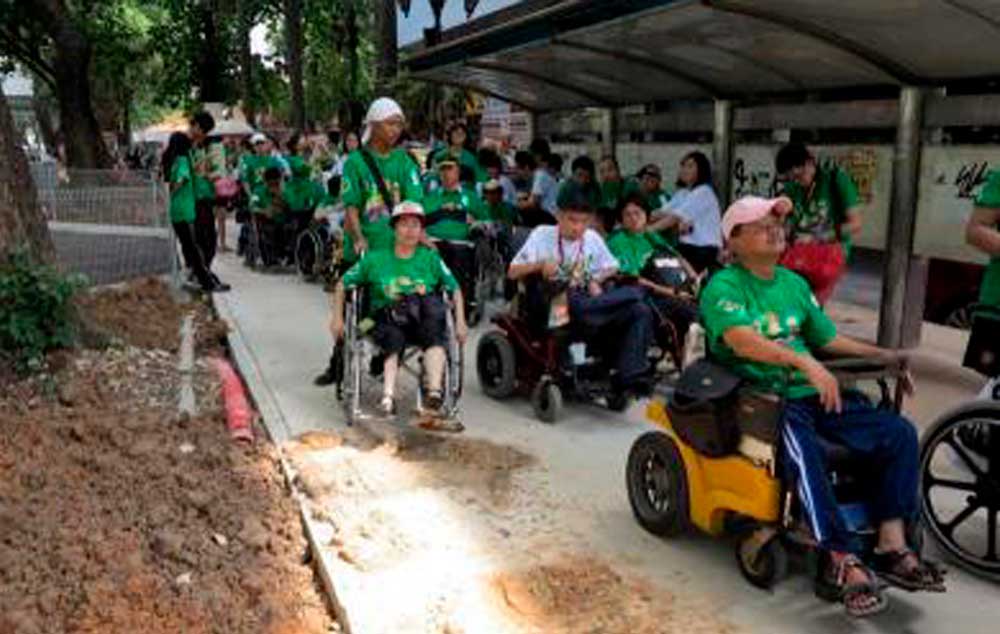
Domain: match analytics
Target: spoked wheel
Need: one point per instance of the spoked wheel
(763, 565)
(657, 484)
(960, 486)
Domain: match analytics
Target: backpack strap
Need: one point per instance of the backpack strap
(387, 198)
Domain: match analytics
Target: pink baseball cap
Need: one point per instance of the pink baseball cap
(751, 209)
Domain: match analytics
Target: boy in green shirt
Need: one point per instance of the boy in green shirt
(983, 232)
(762, 321)
(200, 125)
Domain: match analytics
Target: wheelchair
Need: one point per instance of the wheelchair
(712, 464)
(491, 268)
(268, 241)
(522, 355)
(960, 482)
(357, 350)
(319, 252)
(461, 256)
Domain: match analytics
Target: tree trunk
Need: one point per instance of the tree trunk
(21, 221)
(45, 127)
(246, 62)
(351, 22)
(387, 46)
(293, 35)
(81, 134)
(210, 70)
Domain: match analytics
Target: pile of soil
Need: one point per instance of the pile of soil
(583, 594)
(143, 314)
(117, 516)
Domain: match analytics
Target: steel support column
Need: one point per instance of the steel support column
(609, 131)
(722, 149)
(897, 295)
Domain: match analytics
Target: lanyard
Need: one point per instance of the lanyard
(579, 252)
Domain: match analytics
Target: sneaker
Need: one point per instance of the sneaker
(387, 407)
(220, 287)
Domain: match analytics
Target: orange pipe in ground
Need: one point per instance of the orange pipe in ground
(239, 415)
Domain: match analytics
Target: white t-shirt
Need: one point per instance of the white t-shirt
(579, 260)
(545, 187)
(699, 207)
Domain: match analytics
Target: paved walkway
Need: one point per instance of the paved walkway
(580, 475)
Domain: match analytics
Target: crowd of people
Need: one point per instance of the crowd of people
(767, 267)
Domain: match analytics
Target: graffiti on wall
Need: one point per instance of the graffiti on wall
(968, 178)
(861, 164)
(753, 181)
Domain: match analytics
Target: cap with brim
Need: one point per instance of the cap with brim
(750, 209)
(446, 161)
(492, 185)
(408, 208)
(257, 138)
(650, 170)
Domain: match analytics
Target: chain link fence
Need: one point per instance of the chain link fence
(110, 225)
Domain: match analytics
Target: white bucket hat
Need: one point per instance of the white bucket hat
(381, 109)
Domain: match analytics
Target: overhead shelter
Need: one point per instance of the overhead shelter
(549, 55)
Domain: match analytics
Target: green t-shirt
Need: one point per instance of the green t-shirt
(252, 168)
(502, 212)
(201, 164)
(391, 277)
(301, 193)
(448, 213)
(781, 309)
(989, 291)
(359, 189)
(820, 215)
(182, 198)
(633, 250)
(263, 203)
(612, 194)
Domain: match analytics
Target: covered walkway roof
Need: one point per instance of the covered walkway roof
(563, 54)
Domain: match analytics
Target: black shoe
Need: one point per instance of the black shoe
(219, 287)
(433, 403)
(329, 377)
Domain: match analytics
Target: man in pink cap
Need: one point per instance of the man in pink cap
(763, 322)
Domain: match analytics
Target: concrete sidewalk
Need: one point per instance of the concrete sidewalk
(571, 499)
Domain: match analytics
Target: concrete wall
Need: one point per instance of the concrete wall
(951, 176)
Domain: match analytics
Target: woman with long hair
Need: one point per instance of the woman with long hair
(694, 210)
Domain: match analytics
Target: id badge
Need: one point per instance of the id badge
(559, 311)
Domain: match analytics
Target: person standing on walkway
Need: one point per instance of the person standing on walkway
(201, 125)
(179, 175)
(983, 232)
(377, 177)
(824, 222)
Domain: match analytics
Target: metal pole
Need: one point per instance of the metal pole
(722, 149)
(902, 218)
(609, 131)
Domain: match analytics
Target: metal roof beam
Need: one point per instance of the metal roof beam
(593, 97)
(711, 89)
(471, 86)
(885, 64)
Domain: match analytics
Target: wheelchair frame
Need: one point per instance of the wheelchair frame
(353, 358)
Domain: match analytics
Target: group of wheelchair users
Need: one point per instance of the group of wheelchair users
(590, 271)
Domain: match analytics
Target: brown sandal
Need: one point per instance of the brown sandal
(922, 577)
(832, 585)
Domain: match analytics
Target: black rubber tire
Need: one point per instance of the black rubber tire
(547, 401)
(617, 401)
(655, 450)
(770, 566)
(938, 433)
(500, 381)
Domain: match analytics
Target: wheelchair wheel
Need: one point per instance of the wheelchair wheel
(547, 401)
(495, 365)
(617, 401)
(764, 566)
(308, 254)
(352, 368)
(251, 253)
(960, 486)
(657, 484)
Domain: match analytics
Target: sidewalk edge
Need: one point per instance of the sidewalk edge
(279, 431)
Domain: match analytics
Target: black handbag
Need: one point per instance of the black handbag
(703, 408)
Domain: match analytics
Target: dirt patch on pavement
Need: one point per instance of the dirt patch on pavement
(117, 516)
(583, 594)
(141, 313)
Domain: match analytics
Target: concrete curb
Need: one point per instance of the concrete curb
(279, 431)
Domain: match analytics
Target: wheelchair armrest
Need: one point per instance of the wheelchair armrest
(863, 367)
